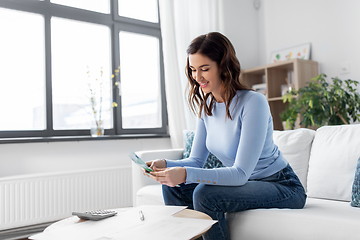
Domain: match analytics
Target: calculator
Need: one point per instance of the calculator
(95, 215)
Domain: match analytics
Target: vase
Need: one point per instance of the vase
(97, 131)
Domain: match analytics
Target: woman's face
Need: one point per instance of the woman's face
(207, 73)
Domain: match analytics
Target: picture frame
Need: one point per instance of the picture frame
(301, 51)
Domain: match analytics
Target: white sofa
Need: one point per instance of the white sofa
(325, 161)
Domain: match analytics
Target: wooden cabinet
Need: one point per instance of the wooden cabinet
(274, 80)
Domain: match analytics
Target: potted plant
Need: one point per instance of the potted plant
(320, 103)
(96, 85)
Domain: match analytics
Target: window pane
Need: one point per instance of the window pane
(140, 81)
(77, 48)
(22, 71)
(145, 10)
(101, 6)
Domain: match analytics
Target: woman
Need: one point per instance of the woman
(235, 124)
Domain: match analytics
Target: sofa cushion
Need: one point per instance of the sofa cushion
(295, 145)
(211, 162)
(150, 195)
(333, 160)
(320, 219)
(355, 198)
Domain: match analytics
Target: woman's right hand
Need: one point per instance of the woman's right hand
(159, 163)
(155, 165)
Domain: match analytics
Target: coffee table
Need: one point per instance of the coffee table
(185, 213)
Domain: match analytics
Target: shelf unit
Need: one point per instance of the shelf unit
(276, 77)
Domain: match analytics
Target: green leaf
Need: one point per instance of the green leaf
(319, 102)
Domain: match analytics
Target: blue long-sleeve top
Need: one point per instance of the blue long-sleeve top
(244, 144)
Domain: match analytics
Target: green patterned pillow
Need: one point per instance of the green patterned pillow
(211, 161)
(355, 198)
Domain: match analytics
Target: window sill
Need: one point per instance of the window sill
(79, 138)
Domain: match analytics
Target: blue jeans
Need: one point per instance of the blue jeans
(280, 190)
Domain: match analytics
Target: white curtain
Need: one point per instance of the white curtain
(181, 22)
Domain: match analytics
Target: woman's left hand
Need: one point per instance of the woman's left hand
(169, 176)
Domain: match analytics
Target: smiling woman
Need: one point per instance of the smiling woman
(216, 51)
(235, 124)
(206, 73)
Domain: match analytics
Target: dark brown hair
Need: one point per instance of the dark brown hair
(219, 49)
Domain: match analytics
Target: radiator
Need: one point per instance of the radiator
(34, 199)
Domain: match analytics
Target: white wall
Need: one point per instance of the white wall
(240, 24)
(332, 27)
(46, 157)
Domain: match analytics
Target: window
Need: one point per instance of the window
(22, 74)
(145, 10)
(102, 6)
(141, 107)
(73, 55)
(60, 56)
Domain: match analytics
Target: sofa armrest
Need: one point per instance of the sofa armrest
(139, 180)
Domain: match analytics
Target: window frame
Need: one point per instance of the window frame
(116, 24)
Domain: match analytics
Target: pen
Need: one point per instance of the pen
(142, 218)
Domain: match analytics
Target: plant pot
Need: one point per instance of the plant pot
(97, 131)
